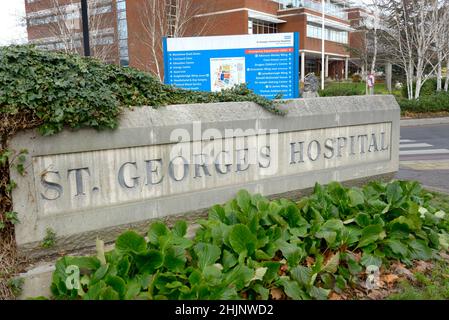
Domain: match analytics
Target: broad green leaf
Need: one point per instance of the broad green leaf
(370, 260)
(84, 263)
(302, 274)
(419, 250)
(207, 254)
(212, 275)
(100, 273)
(362, 219)
(353, 266)
(132, 290)
(261, 290)
(394, 192)
(95, 290)
(108, 293)
(412, 221)
(117, 284)
(229, 260)
(195, 277)
(180, 228)
(329, 231)
(272, 271)
(174, 259)
(239, 277)
(292, 289)
(291, 215)
(397, 247)
(319, 293)
(292, 252)
(149, 261)
(123, 266)
(371, 234)
(131, 241)
(244, 201)
(242, 239)
(356, 197)
(156, 230)
(217, 213)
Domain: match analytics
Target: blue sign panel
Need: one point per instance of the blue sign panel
(268, 63)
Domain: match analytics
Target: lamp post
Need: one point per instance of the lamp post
(85, 17)
(322, 45)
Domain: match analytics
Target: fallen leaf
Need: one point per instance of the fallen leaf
(335, 296)
(310, 261)
(444, 255)
(390, 278)
(358, 256)
(400, 270)
(277, 294)
(422, 266)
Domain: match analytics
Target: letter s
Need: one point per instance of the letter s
(51, 186)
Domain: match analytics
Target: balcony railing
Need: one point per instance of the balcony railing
(329, 8)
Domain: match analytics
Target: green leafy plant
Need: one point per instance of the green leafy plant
(49, 240)
(437, 102)
(251, 247)
(16, 285)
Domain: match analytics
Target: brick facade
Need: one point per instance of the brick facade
(217, 17)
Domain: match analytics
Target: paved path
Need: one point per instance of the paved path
(424, 155)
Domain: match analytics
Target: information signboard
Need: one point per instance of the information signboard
(268, 63)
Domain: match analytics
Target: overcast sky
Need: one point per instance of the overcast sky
(12, 28)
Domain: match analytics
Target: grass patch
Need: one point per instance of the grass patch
(431, 286)
(440, 201)
(353, 89)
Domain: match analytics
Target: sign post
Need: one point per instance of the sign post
(371, 81)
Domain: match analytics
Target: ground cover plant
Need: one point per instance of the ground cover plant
(430, 282)
(253, 248)
(51, 91)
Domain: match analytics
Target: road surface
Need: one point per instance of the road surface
(424, 155)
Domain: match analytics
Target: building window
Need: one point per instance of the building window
(261, 27)
(311, 66)
(122, 26)
(314, 31)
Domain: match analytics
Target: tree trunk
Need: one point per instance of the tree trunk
(439, 71)
(409, 76)
(446, 85)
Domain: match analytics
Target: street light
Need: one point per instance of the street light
(322, 45)
(85, 17)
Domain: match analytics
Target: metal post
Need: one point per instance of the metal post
(85, 17)
(346, 68)
(303, 65)
(322, 45)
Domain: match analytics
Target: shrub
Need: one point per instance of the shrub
(438, 102)
(342, 89)
(429, 88)
(253, 248)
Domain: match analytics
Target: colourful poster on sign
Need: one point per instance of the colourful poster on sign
(268, 63)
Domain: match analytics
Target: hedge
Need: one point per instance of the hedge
(438, 102)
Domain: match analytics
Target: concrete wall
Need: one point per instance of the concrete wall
(87, 183)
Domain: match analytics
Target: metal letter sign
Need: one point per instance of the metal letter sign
(268, 63)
